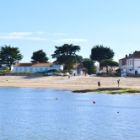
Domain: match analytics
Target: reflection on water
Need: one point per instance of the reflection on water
(36, 114)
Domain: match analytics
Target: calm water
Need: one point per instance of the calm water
(34, 114)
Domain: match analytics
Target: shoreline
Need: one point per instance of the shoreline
(97, 90)
(74, 83)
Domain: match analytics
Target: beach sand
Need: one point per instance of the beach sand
(77, 82)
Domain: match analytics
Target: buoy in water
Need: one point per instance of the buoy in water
(56, 98)
(94, 102)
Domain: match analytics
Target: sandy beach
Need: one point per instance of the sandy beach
(77, 82)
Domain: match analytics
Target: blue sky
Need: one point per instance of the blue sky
(32, 25)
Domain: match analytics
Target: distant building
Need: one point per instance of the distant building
(110, 68)
(36, 67)
(130, 63)
(79, 69)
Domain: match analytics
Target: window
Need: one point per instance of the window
(46, 69)
(20, 69)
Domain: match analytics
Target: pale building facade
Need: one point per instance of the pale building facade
(111, 68)
(131, 63)
(36, 67)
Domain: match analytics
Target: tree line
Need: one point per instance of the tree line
(65, 54)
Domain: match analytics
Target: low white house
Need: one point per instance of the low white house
(36, 67)
(111, 68)
(130, 64)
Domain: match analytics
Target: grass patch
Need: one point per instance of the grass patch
(124, 91)
(24, 72)
(110, 90)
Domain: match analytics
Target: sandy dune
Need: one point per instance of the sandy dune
(77, 82)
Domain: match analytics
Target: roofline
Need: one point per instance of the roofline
(32, 64)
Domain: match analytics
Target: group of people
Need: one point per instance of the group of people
(118, 81)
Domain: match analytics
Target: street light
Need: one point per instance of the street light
(76, 63)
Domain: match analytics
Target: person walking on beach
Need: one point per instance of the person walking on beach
(99, 84)
(118, 82)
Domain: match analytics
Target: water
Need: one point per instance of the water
(34, 114)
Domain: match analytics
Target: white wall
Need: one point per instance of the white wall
(132, 65)
(136, 63)
(109, 68)
(120, 64)
(37, 69)
(123, 69)
(129, 64)
(133, 71)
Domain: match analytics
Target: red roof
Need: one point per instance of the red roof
(135, 54)
(34, 64)
(78, 66)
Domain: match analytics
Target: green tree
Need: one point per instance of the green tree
(39, 57)
(9, 55)
(99, 53)
(107, 62)
(79, 59)
(66, 54)
(89, 64)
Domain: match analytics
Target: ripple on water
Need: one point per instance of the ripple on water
(36, 114)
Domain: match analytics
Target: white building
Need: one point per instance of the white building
(98, 69)
(130, 64)
(111, 68)
(36, 67)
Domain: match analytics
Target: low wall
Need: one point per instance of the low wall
(133, 75)
(23, 74)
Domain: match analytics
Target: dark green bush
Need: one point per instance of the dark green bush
(24, 72)
(5, 71)
(53, 70)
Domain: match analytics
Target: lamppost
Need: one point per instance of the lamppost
(76, 63)
(107, 68)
